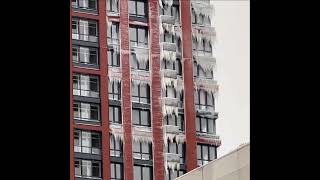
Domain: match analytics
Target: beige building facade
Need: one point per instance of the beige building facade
(232, 166)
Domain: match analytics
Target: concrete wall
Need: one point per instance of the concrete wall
(233, 166)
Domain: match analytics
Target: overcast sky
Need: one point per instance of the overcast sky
(232, 20)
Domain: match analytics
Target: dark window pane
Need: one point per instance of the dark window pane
(137, 173)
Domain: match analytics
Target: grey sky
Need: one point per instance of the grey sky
(232, 22)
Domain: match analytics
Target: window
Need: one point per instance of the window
(113, 33)
(85, 4)
(167, 37)
(114, 90)
(87, 142)
(112, 6)
(115, 114)
(138, 36)
(86, 111)
(140, 93)
(85, 55)
(138, 8)
(87, 168)
(204, 100)
(205, 125)
(142, 151)
(113, 55)
(116, 171)
(205, 153)
(171, 11)
(204, 48)
(85, 85)
(200, 19)
(85, 30)
(141, 117)
(171, 175)
(177, 149)
(178, 67)
(199, 72)
(170, 92)
(180, 97)
(142, 173)
(175, 121)
(115, 146)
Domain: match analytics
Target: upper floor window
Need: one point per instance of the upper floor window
(140, 93)
(139, 65)
(177, 149)
(171, 11)
(205, 125)
(199, 72)
(116, 171)
(85, 4)
(142, 151)
(171, 175)
(85, 30)
(200, 19)
(87, 168)
(113, 33)
(85, 55)
(138, 8)
(175, 121)
(115, 114)
(205, 153)
(170, 92)
(86, 111)
(85, 85)
(113, 6)
(87, 142)
(113, 53)
(204, 48)
(141, 117)
(204, 100)
(115, 146)
(142, 173)
(178, 67)
(138, 36)
(114, 90)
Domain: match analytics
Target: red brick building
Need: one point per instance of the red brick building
(143, 88)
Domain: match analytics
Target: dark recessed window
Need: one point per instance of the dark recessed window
(141, 117)
(85, 85)
(116, 171)
(138, 8)
(138, 36)
(112, 6)
(167, 37)
(204, 48)
(135, 64)
(85, 55)
(85, 4)
(114, 90)
(205, 125)
(115, 114)
(113, 33)
(170, 92)
(175, 121)
(86, 111)
(171, 175)
(199, 72)
(200, 19)
(113, 54)
(142, 151)
(87, 142)
(177, 149)
(87, 168)
(178, 67)
(171, 11)
(85, 30)
(115, 146)
(142, 173)
(205, 153)
(140, 93)
(204, 100)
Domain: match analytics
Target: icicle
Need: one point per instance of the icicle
(142, 55)
(137, 82)
(166, 3)
(165, 27)
(172, 162)
(114, 79)
(170, 106)
(180, 86)
(168, 55)
(116, 131)
(207, 85)
(142, 134)
(166, 81)
(206, 63)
